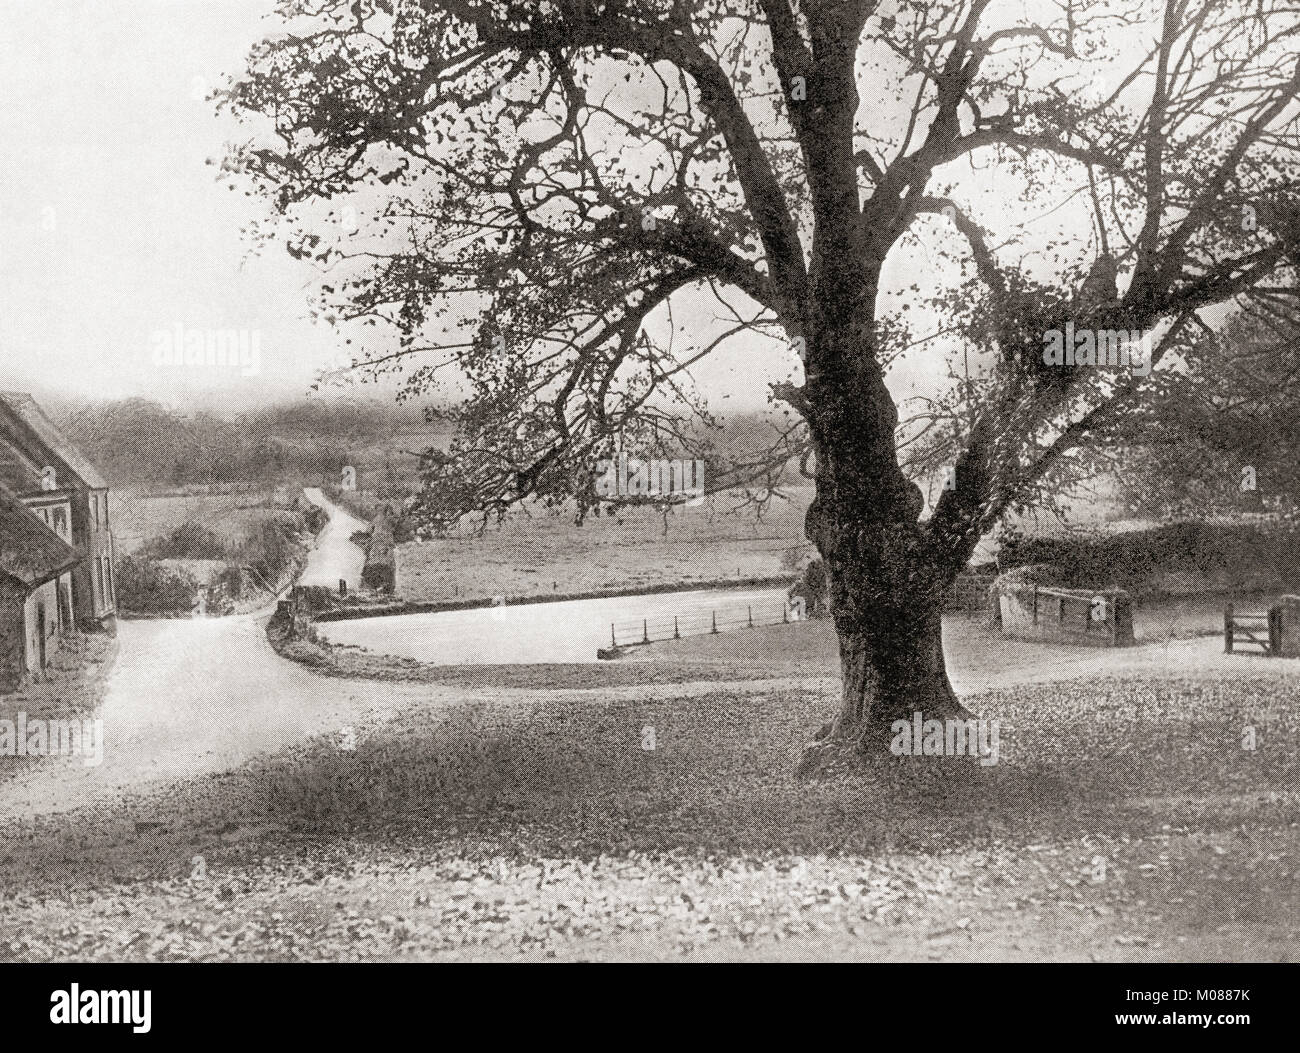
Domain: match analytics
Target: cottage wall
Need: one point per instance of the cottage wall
(94, 585)
(13, 633)
(43, 599)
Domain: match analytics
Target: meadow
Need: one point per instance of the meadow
(1124, 821)
(539, 553)
(231, 511)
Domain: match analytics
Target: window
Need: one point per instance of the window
(108, 566)
(94, 500)
(99, 583)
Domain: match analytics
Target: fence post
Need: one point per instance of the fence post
(676, 634)
(1227, 629)
(715, 621)
(645, 632)
(751, 616)
(613, 641)
(1035, 604)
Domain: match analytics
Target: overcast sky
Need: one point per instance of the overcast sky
(116, 228)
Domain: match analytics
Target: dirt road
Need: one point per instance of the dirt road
(195, 696)
(192, 696)
(335, 558)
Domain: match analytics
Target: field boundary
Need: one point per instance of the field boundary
(388, 610)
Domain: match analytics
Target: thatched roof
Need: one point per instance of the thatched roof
(29, 550)
(24, 407)
(16, 473)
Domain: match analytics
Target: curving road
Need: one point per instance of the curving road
(200, 695)
(335, 557)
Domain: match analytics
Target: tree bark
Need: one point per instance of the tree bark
(888, 617)
(889, 672)
(888, 574)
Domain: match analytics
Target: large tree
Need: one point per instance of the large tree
(571, 172)
(1222, 437)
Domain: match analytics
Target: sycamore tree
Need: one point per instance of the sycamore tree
(538, 186)
(1221, 438)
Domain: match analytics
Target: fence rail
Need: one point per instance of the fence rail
(1102, 617)
(1239, 630)
(969, 594)
(635, 631)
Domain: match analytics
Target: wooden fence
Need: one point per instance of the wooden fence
(1100, 618)
(1243, 630)
(697, 623)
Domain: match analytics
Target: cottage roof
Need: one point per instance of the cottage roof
(29, 550)
(16, 473)
(24, 407)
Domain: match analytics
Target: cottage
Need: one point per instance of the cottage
(35, 590)
(51, 476)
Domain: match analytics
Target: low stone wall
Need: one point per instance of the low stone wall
(1288, 643)
(380, 573)
(1092, 617)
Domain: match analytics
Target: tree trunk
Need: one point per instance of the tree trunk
(890, 672)
(888, 607)
(888, 570)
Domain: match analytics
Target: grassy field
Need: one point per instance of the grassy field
(231, 512)
(1124, 821)
(538, 554)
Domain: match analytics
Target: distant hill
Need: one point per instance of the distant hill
(141, 443)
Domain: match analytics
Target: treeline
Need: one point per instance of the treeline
(141, 443)
(138, 442)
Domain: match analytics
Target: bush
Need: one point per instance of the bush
(230, 581)
(270, 550)
(314, 517)
(190, 540)
(1136, 560)
(380, 569)
(814, 586)
(145, 587)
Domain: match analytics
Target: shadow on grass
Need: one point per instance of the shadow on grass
(574, 778)
(577, 776)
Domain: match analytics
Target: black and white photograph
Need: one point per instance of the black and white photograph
(650, 481)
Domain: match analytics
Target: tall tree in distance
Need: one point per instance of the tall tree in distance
(1222, 437)
(569, 171)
